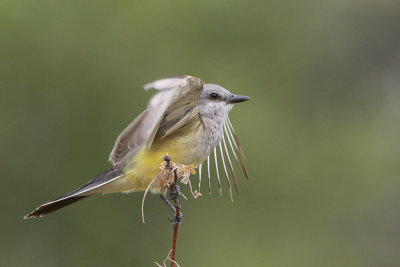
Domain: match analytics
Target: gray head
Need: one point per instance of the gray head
(215, 102)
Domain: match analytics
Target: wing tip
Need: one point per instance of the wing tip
(167, 82)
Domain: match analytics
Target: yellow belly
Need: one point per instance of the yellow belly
(145, 164)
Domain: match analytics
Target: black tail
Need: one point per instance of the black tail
(83, 192)
(53, 206)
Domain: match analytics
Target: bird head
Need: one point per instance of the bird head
(216, 102)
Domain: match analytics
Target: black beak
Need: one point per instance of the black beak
(237, 98)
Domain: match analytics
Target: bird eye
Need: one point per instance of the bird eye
(214, 95)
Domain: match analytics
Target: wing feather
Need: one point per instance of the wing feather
(238, 146)
(233, 152)
(226, 172)
(209, 174)
(163, 115)
(216, 168)
(200, 169)
(230, 165)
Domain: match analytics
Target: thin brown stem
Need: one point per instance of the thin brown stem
(176, 223)
(178, 217)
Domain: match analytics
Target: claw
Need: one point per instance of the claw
(175, 194)
(176, 219)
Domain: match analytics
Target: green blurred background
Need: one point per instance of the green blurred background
(321, 132)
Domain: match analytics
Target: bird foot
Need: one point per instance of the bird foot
(176, 219)
(175, 194)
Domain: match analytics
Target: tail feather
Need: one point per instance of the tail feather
(53, 206)
(84, 191)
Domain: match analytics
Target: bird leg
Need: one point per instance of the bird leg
(177, 215)
(174, 194)
(166, 201)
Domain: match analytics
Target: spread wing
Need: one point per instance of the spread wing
(171, 109)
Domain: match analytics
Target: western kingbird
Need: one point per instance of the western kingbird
(186, 119)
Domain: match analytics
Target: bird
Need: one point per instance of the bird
(186, 119)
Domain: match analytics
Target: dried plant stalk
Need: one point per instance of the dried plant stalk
(167, 179)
